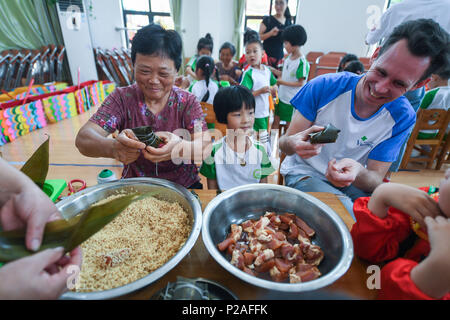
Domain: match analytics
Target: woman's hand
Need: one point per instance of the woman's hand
(274, 32)
(412, 201)
(30, 209)
(126, 147)
(43, 275)
(163, 153)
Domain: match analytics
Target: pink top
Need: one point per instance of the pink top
(125, 108)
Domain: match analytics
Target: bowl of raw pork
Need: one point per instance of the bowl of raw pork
(277, 238)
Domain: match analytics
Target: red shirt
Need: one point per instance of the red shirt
(125, 108)
(378, 240)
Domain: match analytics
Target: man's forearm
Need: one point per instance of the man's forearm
(368, 180)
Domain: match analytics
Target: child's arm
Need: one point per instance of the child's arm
(298, 83)
(431, 276)
(275, 72)
(383, 221)
(261, 91)
(263, 180)
(412, 201)
(212, 184)
(190, 72)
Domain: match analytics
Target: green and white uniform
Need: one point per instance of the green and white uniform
(293, 70)
(232, 169)
(437, 98)
(255, 79)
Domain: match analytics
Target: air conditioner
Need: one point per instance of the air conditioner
(77, 39)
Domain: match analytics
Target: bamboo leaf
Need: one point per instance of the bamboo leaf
(67, 233)
(36, 168)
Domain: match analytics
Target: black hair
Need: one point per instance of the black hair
(287, 12)
(231, 99)
(228, 45)
(355, 66)
(443, 73)
(425, 39)
(206, 64)
(205, 42)
(348, 57)
(294, 34)
(154, 39)
(251, 36)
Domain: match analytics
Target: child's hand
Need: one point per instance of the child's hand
(431, 275)
(409, 200)
(439, 237)
(263, 90)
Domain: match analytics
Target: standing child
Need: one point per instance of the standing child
(228, 68)
(205, 88)
(294, 75)
(236, 159)
(242, 63)
(410, 228)
(204, 47)
(258, 78)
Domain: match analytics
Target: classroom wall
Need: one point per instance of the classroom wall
(338, 25)
(323, 20)
(216, 19)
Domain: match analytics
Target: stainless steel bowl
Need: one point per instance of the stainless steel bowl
(251, 201)
(165, 190)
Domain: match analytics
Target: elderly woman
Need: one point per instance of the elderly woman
(270, 32)
(152, 101)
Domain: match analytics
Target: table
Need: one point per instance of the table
(199, 263)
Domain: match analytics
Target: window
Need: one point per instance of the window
(139, 13)
(255, 10)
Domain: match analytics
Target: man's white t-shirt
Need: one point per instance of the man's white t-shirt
(330, 99)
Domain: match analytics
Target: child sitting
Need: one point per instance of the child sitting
(294, 75)
(355, 66)
(228, 68)
(236, 159)
(204, 47)
(410, 228)
(205, 88)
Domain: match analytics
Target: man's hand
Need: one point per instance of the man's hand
(342, 173)
(299, 143)
(126, 147)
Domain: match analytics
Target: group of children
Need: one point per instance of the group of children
(406, 228)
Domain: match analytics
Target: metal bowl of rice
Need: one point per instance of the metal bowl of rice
(251, 202)
(171, 196)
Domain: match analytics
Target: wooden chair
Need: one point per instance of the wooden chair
(210, 117)
(280, 177)
(444, 155)
(328, 63)
(427, 119)
(311, 57)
